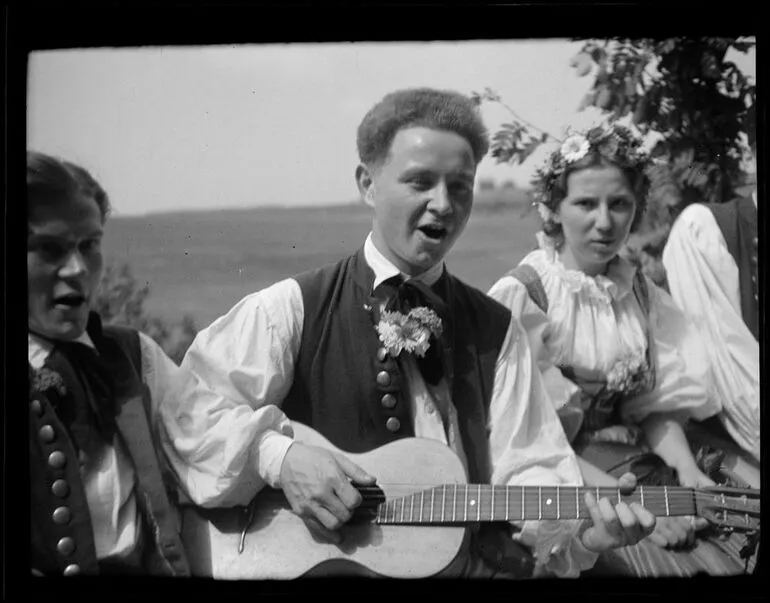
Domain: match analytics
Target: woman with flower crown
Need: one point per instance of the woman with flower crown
(621, 363)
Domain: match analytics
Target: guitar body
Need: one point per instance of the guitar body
(279, 545)
(413, 524)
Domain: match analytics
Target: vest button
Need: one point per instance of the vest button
(62, 515)
(382, 354)
(47, 434)
(73, 569)
(393, 424)
(383, 378)
(66, 546)
(56, 459)
(388, 400)
(60, 488)
(36, 407)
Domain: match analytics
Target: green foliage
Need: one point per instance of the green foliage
(516, 140)
(682, 89)
(685, 90)
(120, 301)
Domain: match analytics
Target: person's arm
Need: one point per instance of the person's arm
(219, 416)
(704, 283)
(682, 370)
(563, 393)
(225, 434)
(666, 438)
(529, 447)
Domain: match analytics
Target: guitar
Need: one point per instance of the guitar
(412, 523)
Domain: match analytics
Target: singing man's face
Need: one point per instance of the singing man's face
(64, 266)
(422, 196)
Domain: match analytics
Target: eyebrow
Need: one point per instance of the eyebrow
(61, 237)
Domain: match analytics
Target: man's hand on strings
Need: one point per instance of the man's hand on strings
(674, 532)
(317, 484)
(619, 525)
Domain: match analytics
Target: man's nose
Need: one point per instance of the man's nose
(73, 266)
(440, 201)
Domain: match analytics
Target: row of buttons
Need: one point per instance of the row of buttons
(60, 488)
(388, 400)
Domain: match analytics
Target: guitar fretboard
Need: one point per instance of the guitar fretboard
(462, 503)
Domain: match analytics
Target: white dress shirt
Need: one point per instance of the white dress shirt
(704, 281)
(238, 438)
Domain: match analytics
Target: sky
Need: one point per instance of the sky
(197, 128)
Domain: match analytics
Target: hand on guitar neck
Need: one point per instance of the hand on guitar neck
(616, 526)
(413, 522)
(317, 484)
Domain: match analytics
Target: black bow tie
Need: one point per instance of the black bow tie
(403, 296)
(88, 407)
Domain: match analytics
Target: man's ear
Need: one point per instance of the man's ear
(365, 184)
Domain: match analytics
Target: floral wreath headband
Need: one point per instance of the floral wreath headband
(615, 143)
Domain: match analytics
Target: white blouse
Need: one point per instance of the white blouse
(592, 322)
(703, 279)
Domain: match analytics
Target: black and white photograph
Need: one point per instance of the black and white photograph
(476, 308)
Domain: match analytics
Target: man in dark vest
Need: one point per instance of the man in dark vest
(102, 497)
(711, 261)
(387, 344)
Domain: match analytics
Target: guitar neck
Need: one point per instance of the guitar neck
(463, 503)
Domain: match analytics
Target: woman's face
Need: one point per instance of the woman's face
(596, 217)
(64, 265)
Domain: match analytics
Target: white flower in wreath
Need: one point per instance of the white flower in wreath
(545, 212)
(575, 148)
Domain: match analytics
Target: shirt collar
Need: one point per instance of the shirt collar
(384, 269)
(39, 348)
(614, 284)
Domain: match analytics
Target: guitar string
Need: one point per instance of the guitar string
(678, 500)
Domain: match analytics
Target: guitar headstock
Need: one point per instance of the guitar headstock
(733, 509)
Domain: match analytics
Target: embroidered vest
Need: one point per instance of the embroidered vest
(347, 388)
(61, 533)
(737, 219)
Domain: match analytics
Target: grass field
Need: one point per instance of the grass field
(202, 263)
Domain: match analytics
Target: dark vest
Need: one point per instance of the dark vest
(62, 540)
(737, 219)
(349, 390)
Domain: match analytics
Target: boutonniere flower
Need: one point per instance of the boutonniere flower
(48, 379)
(410, 332)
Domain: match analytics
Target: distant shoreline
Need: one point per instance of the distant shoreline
(484, 201)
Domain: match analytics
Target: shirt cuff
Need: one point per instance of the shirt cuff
(558, 547)
(273, 446)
